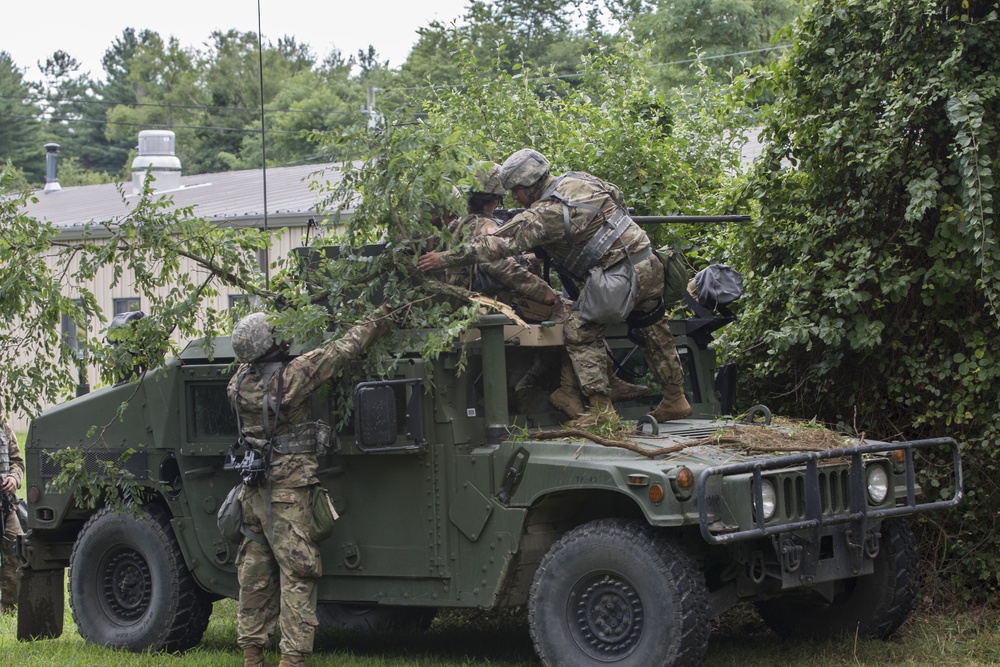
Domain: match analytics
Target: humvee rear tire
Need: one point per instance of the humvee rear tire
(872, 606)
(129, 586)
(614, 592)
(373, 619)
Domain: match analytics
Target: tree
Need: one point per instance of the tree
(20, 136)
(873, 262)
(679, 29)
(74, 119)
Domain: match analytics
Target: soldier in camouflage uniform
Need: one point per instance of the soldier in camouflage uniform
(11, 474)
(559, 228)
(509, 279)
(279, 565)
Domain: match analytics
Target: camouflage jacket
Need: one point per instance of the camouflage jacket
(301, 377)
(512, 273)
(543, 225)
(11, 462)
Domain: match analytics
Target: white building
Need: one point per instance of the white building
(230, 198)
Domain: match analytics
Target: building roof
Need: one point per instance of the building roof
(234, 197)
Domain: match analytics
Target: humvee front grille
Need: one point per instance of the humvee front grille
(834, 493)
(97, 461)
(811, 497)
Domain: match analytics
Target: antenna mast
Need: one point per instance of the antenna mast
(263, 145)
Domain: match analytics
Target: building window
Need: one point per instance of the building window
(127, 305)
(74, 333)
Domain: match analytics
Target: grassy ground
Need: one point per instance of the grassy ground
(965, 637)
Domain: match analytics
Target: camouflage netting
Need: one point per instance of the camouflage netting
(784, 435)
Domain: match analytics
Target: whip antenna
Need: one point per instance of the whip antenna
(263, 146)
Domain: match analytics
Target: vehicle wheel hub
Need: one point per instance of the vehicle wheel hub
(127, 585)
(608, 616)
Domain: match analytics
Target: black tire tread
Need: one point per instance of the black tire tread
(191, 606)
(675, 564)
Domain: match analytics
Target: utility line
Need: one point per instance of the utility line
(196, 107)
(187, 107)
(163, 126)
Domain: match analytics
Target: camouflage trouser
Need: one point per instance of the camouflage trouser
(8, 564)
(278, 579)
(585, 340)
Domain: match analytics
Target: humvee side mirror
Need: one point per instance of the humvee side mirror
(376, 416)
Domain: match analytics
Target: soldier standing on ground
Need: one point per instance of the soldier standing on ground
(279, 564)
(11, 474)
(564, 214)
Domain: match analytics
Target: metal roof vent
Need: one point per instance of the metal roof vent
(51, 169)
(156, 154)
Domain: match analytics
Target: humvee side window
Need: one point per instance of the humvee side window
(210, 415)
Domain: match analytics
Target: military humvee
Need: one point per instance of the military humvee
(621, 557)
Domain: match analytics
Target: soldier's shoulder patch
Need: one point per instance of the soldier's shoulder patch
(490, 229)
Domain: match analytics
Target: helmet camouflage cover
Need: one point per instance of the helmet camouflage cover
(252, 338)
(523, 168)
(488, 180)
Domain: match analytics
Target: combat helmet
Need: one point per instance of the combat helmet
(523, 168)
(252, 338)
(488, 180)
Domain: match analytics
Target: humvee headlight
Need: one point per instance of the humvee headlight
(681, 482)
(769, 498)
(878, 484)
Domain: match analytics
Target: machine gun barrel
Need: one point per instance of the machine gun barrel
(688, 219)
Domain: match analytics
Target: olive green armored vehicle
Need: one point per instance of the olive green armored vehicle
(449, 498)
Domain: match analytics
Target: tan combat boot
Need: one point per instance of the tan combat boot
(253, 656)
(625, 391)
(289, 660)
(600, 411)
(568, 400)
(674, 404)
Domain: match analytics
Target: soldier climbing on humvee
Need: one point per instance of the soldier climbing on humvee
(582, 224)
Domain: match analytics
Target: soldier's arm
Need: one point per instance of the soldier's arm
(308, 372)
(16, 460)
(524, 231)
(510, 273)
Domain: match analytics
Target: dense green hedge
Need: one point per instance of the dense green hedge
(873, 267)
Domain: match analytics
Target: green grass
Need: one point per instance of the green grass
(944, 638)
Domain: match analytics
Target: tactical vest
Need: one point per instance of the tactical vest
(581, 259)
(306, 438)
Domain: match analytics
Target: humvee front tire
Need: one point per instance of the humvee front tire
(873, 606)
(613, 592)
(129, 586)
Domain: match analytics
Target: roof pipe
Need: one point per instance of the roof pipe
(51, 169)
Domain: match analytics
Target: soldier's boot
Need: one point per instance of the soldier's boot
(600, 411)
(673, 405)
(289, 660)
(568, 400)
(253, 656)
(625, 391)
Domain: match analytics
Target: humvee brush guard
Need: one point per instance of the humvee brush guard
(621, 557)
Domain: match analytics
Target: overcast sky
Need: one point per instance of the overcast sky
(86, 28)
